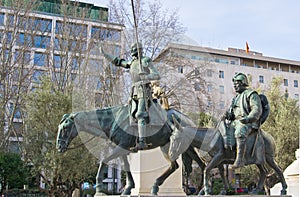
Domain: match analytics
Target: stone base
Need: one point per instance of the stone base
(198, 196)
(147, 166)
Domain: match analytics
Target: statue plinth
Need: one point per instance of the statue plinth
(148, 165)
(291, 175)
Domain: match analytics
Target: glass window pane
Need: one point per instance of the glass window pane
(39, 59)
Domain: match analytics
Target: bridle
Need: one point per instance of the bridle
(66, 140)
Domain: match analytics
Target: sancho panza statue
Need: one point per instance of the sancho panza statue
(244, 112)
(142, 73)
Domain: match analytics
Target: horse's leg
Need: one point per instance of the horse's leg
(129, 179)
(160, 180)
(262, 178)
(117, 152)
(224, 180)
(192, 153)
(272, 163)
(215, 161)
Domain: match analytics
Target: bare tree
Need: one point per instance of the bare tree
(68, 56)
(19, 33)
(156, 26)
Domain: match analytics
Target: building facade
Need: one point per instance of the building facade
(56, 40)
(219, 66)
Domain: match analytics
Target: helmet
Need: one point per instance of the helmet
(134, 48)
(241, 77)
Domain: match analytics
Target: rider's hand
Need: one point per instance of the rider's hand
(244, 120)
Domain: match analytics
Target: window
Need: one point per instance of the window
(180, 69)
(197, 87)
(221, 74)
(39, 59)
(41, 41)
(209, 72)
(261, 79)
(57, 61)
(1, 19)
(285, 82)
(37, 74)
(296, 96)
(232, 62)
(222, 105)
(296, 83)
(22, 57)
(221, 88)
(197, 72)
(209, 104)
(209, 88)
(44, 25)
(75, 64)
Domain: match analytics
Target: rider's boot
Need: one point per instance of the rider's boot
(240, 153)
(142, 139)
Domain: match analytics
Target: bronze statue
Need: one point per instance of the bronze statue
(142, 73)
(244, 113)
(239, 127)
(105, 123)
(212, 142)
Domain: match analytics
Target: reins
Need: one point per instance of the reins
(79, 145)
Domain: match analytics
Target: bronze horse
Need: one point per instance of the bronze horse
(112, 124)
(211, 141)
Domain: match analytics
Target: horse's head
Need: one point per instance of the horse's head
(66, 132)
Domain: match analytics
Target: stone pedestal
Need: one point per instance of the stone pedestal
(291, 174)
(147, 166)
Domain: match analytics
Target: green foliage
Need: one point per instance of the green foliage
(45, 107)
(13, 171)
(249, 175)
(283, 123)
(203, 120)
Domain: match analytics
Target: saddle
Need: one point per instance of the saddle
(157, 116)
(255, 148)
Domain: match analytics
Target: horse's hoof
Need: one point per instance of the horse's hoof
(258, 192)
(207, 192)
(201, 193)
(283, 192)
(154, 190)
(223, 192)
(126, 192)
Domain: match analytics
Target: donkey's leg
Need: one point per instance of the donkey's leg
(224, 180)
(272, 163)
(160, 180)
(262, 178)
(129, 179)
(215, 161)
(117, 152)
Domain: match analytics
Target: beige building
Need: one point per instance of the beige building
(219, 66)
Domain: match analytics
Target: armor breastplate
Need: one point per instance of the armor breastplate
(238, 107)
(134, 71)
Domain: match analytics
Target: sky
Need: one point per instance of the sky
(271, 27)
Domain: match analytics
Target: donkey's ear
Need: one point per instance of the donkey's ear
(176, 123)
(65, 116)
(73, 115)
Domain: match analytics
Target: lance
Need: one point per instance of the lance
(142, 72)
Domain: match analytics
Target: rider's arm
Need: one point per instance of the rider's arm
(255, 108)
(121, 62)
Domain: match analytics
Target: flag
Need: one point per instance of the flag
(247, 47)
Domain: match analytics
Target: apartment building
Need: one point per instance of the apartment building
(221, 65)
(51, 39)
